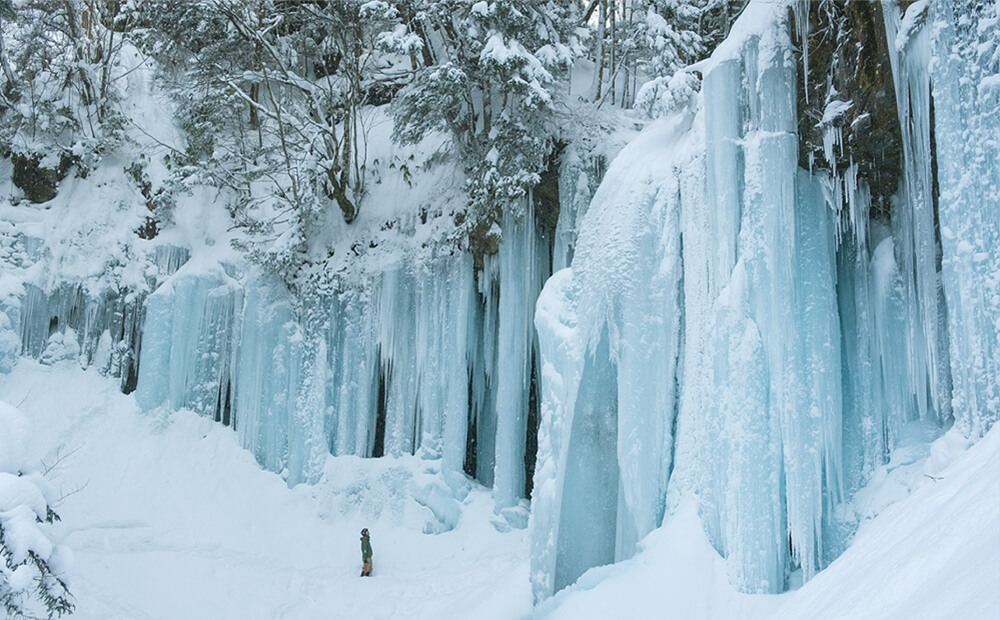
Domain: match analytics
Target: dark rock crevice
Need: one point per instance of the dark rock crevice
(849, 61)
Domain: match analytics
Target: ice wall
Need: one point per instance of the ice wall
(387, 363)
(189, 344)
(787, 338)
(761, 389)
(423, 322)
(721, 323)
(609, 331)
(965, 73)
(99, 319)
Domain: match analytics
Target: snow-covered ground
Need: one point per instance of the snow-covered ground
(168, 518)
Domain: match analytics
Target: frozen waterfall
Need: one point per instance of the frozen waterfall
(965, 77)
(782, 340)
(721, 324)
(403, 361)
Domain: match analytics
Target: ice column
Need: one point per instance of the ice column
(562, 352)
(352, 353)
(482, 370)
(590, 495)
(576, 187)
(398, 345)
(863, 444)
(746, 494)
(523, 265)
(724, 158)
(767, 253)
(609, 330)
(188, 342)
(762, 390)
(966, 86)
(423, 323)
(913, 215)
(445, 301)
(269, 372)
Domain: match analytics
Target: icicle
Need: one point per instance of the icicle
(575, 192)
(523, 264)
(913, 217)
(484, 372)
(801, 11)
(456, 312)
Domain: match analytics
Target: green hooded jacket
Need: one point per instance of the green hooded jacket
(366, 548)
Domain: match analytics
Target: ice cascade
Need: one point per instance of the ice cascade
(736, 329)
(427, 356)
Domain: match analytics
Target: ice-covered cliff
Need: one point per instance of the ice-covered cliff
(736, 328)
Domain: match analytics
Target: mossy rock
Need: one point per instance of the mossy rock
(849, 53)
(36, 181)
(484, 240)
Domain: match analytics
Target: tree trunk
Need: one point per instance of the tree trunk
(613, 65)
(599, 54)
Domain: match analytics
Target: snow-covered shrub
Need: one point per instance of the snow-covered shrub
(32, 567)
(663, 95)
(10, 344)
(62, 346)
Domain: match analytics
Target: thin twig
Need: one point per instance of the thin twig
(65, 496)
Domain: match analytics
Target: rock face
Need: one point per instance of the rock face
(846, 94)
(36, 181)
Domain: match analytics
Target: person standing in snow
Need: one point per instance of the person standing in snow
(366, 554)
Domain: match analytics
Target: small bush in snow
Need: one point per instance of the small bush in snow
(664, 95)
(32, 567)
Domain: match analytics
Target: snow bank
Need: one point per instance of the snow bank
(15, 431)
(933, 554)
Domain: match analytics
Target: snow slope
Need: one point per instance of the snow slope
(934, 554)
(947, 534)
